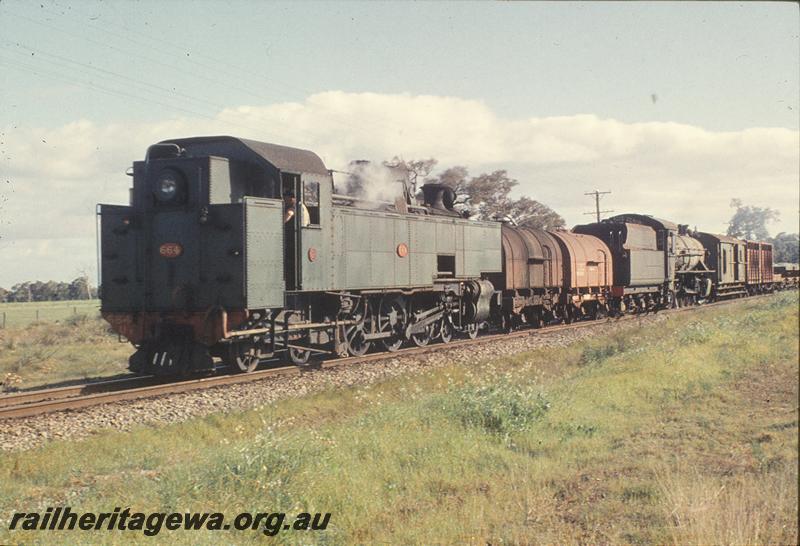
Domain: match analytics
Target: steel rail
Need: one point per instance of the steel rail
(28, 404)
(39, 395)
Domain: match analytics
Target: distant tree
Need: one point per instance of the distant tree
(85, 284)
(21, 292)
(487, 197)
(454, 177)
(417, 170)
(79, 289)
(750, 222)
(531, 213)
(786, 247)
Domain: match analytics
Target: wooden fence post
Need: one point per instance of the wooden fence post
(37, 315)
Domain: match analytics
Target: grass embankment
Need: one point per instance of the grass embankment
(681, 432)
(46, 353)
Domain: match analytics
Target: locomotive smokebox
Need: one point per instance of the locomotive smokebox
(439, 197)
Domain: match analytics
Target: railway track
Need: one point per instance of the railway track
(38, 402)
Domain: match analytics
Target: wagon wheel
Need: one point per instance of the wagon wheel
(445, 330)
(241, 356)
(424, 337)
(533, 317)
(357, 345)
(507, 322)
(392, 318)
(299, 357)
(672, 301)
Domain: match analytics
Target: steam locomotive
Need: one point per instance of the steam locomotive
(206, 263)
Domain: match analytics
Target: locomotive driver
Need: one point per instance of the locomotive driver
(289, 202)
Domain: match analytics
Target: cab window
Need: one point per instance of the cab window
(311, 201)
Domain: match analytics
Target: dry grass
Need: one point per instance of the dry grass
(740, 509)
(43, 353)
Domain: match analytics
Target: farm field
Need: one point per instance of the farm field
(14, 315)
(49, 352)
(681, 432)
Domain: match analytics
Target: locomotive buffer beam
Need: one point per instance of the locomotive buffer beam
(424, 319)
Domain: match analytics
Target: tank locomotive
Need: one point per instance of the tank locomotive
(201, 264)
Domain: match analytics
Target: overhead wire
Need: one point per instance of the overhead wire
(137, 55)
(134, 81)
(114, 92)
(220, 65)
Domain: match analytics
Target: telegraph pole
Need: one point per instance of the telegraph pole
(597, 194)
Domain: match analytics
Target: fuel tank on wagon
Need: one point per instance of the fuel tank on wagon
(587, 260)
(532, 259)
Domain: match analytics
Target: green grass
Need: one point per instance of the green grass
(682, 432)
(41, 353)
(15, 315)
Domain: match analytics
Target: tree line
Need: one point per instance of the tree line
(78, 289)
(486, 196)
(750, 223)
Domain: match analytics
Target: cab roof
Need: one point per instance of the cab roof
(283, 158)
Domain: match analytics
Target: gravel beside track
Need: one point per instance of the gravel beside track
(19, 435)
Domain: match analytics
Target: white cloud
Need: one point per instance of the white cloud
(675, 171)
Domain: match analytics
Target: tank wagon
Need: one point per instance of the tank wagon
(656, 262)
(551, 275)
(202, 263)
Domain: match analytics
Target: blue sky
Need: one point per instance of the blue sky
(672, 92)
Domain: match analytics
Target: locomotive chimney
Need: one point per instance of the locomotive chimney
(439, 196)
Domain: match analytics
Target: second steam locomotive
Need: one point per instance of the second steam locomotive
(241, 250)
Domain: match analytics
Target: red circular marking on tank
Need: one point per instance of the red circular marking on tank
(312, 254)
(170, 250)
(402, 250)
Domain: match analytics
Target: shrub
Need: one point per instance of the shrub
(498, 409)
